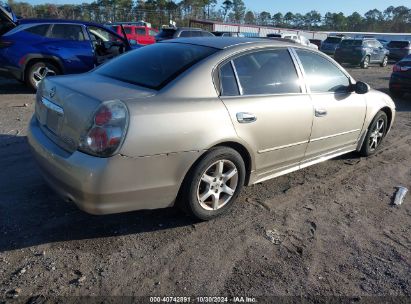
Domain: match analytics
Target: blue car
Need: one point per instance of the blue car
(31, 49)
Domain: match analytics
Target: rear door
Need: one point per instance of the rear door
(338, 113)
(8, 20)
(268, 107)
(69, 42)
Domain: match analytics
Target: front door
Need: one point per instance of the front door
(269, 109)
(338, 113)
(67, 41)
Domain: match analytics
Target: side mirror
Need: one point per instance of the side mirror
(361, 87)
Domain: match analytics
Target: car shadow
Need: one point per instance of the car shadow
(12, 86)
(32, 214)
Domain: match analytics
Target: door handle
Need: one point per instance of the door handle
(243, 117)
(320, 112)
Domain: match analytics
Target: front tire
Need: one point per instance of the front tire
(365, 63)
(375, 134)
(38, 71)
(213, 185)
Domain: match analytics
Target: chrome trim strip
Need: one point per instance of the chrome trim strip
(240, 88)
(282, 147)
(334, 135)
(52, 106)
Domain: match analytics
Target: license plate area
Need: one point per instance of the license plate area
(50, 115)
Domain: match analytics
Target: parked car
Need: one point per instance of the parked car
(228, 34)
(330, 44)
(227, 113)
(361, 52)
(317, 42)
(399, 49)
(181, 32)
(297, 38)
(400, 81)
(135, 34)
(31, 49)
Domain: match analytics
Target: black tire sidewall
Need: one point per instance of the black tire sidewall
(33, 67)
(384, 63)
(365, 149)
(190, 200)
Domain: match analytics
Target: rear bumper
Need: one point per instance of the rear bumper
(109, 185)
(354, 59)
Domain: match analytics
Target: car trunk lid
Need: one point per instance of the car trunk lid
(65, 106)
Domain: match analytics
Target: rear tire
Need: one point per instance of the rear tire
(213, 185)
(384, 62)
(37, 71)
(365, 63)
(375, 134)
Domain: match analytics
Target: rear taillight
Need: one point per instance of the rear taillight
(107, 131)
(398, 68)
(5, 44)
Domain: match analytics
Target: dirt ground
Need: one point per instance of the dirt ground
(334, 231)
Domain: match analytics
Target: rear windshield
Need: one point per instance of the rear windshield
(166, 33)
(150, 66)
(398, 44)
(332, 40)
(351, 42)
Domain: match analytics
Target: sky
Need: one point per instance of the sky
(295, 6)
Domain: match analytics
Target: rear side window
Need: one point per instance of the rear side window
(128, 30)
(150, 66)
(228, 82)
(398, 44)
(67, 31)
(267, 72)
(322, 75)
(140, 31)
(40, 30)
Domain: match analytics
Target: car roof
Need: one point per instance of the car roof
(64, 21)
(224, 43)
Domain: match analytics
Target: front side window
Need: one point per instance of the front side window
(321, 74)
(150, 66)
(127, 30)
(267, 72)
(67, 32)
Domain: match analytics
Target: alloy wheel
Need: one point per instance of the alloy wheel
(376, 135)
(217, 185)
(40, 73)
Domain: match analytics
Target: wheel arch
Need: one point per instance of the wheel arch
(33, 58)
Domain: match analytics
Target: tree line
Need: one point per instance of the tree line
(160, 12)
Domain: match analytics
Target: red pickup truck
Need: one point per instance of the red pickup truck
(143, 35)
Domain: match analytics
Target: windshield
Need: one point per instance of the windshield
(332, 40)
(351, 42)
(150, 66)
(398, 44)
